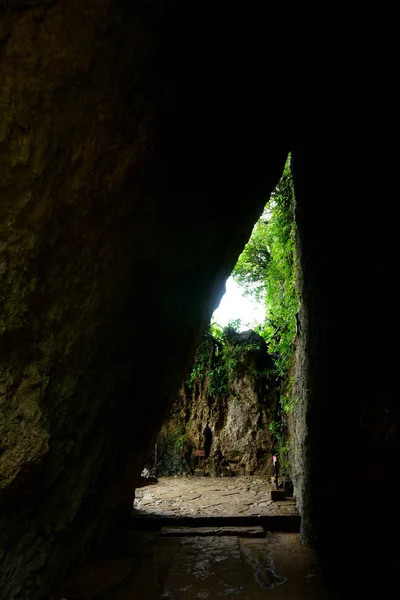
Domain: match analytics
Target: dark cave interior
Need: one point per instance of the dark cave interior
(131, 175)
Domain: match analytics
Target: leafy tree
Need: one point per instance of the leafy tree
(251, 268)
(266, 269)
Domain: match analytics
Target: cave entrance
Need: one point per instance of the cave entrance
(237, 385)
(235, 402)
(234, 408)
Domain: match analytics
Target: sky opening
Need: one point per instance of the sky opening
(234, 305)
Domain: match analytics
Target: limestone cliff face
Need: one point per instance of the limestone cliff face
(233, 426)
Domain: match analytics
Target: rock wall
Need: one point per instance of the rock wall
(121, 159)
(232, 426)
(138, 143)
(346, 425)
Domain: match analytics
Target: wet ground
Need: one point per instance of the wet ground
(211, 540)
(194, 568)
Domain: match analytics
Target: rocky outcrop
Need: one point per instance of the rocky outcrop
(226, 410)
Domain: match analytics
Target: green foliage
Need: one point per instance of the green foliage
(217, 360)
(251, 269)
(286, 403)
(281, 447)
(267, 270)
(276, 429)
(202, 361)
(283, 453)
(217, 331)
(214, 361)
(235, 324)
(174, 448)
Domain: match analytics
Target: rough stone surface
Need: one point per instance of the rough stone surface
(233, 429)
(346, 420)
(204, 567)
(117, 151)
(211, 497)
(131, 174)
(248, 532)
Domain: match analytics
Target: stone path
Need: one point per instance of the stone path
(240, 568)
(248, 532)
(211, 497)
(224, 560)
(203, 568)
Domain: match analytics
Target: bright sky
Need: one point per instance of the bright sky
(236, 306)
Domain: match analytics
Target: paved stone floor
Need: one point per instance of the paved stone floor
(211, 497)
(276, 567)
(226, 560)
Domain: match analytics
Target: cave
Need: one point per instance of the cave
(138, 143)
(208, 439)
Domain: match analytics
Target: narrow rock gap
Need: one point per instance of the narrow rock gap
(139, 142)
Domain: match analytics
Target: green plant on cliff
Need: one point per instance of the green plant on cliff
(275, 428)
(217, 360)
(267, 269)
(203, 359)
(214, 362)
(281, 445)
